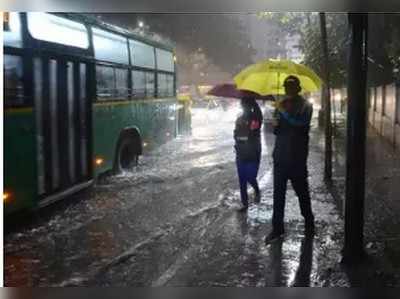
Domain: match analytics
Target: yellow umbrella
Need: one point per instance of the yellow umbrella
(266, 77)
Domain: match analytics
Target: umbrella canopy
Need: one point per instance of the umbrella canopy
(229, 90)
(267, 77)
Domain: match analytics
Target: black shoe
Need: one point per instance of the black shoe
(257, 197)
(243, 209)
(273, 236)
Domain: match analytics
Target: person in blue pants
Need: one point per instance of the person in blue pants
(248, 149)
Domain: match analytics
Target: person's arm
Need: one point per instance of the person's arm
(298, 119)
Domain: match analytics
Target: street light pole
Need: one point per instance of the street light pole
(356, 135)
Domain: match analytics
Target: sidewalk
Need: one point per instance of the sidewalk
(382, 207)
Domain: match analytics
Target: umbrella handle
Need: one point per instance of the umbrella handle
(279, 75)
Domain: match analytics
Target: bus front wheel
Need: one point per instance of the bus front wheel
(127, 155)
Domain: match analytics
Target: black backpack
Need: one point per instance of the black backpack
(246, 145)
(242, 129)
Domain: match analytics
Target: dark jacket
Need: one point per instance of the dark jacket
(247, 134)
(292, 134)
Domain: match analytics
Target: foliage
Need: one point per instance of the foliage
(308, 27)
(383, 43)
(291, 23)
(383, 48)
(337, 35)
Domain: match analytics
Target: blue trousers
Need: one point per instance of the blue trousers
(247, 172)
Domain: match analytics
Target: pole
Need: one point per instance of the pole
(327, 101)
(356, 135)
(277, 93)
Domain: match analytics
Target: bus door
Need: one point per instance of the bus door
(62, 108)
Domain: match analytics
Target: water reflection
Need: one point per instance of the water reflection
(283, 270)
(276, 265)
(303, 273)
(252, 266)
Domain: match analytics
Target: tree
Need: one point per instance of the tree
(337, 39)
(306, 25)
(269, 38)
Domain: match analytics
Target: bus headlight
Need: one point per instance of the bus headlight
(6, 197)
(99, 161)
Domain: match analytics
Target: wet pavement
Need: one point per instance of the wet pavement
(382, 206)
(173, 222)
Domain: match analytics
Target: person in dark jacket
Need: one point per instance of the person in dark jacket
(290, 157)
(248, 149)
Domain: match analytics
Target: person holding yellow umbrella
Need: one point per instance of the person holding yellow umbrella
(291, 128)
(290, 157)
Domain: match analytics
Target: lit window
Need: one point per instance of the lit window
(141, 54)
(55, 29)
(110, 47)
(12, 30)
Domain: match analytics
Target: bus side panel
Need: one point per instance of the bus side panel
(20, 177)
(154, 118)
(164, 122)
(109, 119)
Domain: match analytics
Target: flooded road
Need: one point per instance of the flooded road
(172, 221)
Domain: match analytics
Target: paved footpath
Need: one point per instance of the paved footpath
(382, 208)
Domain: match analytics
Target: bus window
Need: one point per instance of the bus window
(138, 84)
(12, 30)
(110, 47)
(121, 82)
(141, 54)
(6, 21)
(55, 29)
(162, 85)
(150, 84)
(170, 85)
(13, 81)
(105, 82)
(165, 60)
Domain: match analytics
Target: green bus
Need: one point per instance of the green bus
(81, 97)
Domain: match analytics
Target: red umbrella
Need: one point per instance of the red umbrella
(228, 90)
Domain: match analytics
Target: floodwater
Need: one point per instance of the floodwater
(172, 221)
